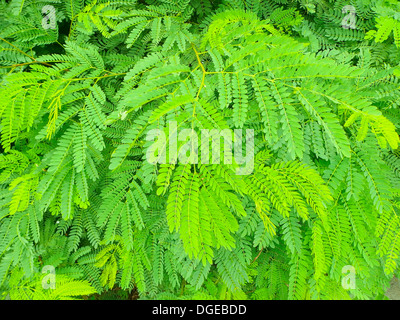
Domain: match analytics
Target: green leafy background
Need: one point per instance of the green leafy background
(76, 190)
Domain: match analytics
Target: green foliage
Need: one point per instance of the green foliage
(79, 105)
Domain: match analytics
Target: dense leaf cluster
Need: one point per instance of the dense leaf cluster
(78, 102)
